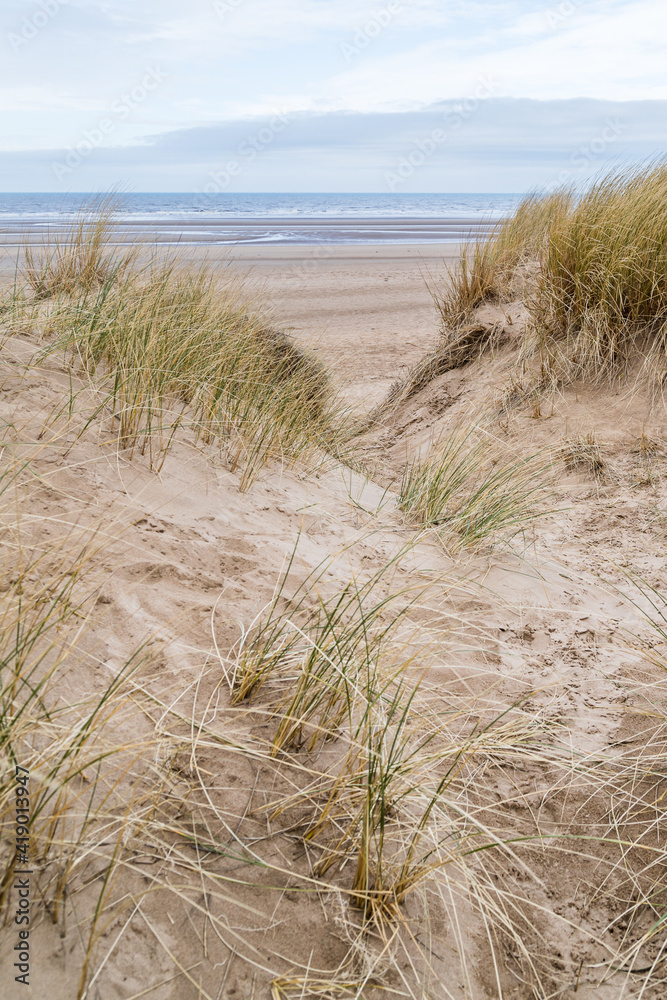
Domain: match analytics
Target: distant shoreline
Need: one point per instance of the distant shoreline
(267, 232)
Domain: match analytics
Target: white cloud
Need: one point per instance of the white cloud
(266, 56)
(500, 144)
(619, 57)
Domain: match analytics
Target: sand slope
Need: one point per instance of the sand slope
(189, 562)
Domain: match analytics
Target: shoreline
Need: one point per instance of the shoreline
(265, 231)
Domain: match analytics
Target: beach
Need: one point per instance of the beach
(354, 635)
(333, 500)
(366, 310)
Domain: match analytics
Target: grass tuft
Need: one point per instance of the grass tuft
(583, 451)
(603, 277)
(599, 296)
(78, 258)
(487, 268)
(169, 345)
(469, 491)
(591, 267)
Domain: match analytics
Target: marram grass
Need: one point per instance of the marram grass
(487, 267)
(78, 257)
(592, 268)
(472, 493)
(168, 344)
(173, 347)
(602, 288)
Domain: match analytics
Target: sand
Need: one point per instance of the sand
(545, 625)
(366, 310)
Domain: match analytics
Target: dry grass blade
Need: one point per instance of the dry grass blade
(287, 988)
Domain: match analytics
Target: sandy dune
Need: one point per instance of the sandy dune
(366, 310)
(542, 630)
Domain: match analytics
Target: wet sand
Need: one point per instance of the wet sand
(265, 232)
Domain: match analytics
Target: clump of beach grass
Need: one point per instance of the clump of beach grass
(470, 492)
(582, 451)
(486, 271)
(170, 345)
(344, 682)
(591, 267)
(487, 267)
(317, 642)
(79, 256)
(602, 288)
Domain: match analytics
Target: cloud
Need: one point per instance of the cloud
(489, 144)
(618, 56)
(356, 93)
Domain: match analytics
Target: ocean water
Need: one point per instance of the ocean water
(228, 219)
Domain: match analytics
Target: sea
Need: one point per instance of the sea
(228, 219)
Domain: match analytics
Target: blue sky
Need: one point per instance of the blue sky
(327, 95)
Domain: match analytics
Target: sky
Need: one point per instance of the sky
(327, 95)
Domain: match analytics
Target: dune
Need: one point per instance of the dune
(293, 728)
